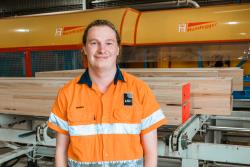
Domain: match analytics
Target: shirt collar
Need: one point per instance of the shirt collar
(85, 78)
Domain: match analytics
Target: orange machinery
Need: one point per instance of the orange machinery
(166, 38)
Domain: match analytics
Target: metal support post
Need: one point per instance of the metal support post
(217, 137)
(83, 4)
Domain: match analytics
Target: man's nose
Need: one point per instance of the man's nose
(101, 48)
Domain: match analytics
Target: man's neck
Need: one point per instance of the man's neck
(102, 78)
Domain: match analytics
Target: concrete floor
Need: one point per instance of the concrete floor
(50, 163)
(41, 163)
(162, 162)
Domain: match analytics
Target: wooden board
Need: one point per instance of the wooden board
(171, 93)
(62, 73)
(174, 99)
(235, 73)
(140, 72)
(173, 114)
(28, 96)
(210, 95)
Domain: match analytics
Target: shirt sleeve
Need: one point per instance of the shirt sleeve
(153, 116)
(58, 117)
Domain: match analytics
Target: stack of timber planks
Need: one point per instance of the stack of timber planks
(172, 93)
(235, 73)
(35, 97)
(210, 91)
(210, 95)
(174, 99)
(28, 96)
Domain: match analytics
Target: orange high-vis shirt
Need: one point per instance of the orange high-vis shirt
(105, 129)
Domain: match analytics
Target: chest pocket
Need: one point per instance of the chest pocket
(81, 115)
(128, 114)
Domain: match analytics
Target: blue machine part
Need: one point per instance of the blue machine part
(246, 78)
(245, 94)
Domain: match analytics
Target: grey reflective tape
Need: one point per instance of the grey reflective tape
(95, 129)
(125, 163)
(152, 119)
(58, 122)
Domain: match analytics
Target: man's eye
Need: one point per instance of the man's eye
(109, 43)
(92, 43)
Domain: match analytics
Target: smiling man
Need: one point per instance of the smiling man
(106, 117)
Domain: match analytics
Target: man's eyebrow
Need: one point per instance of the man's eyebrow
(108, 40)
(113, 40)
(92, 39)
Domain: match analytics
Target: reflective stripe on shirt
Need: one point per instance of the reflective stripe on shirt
(125, 163)
(58, 122)
(95, 129)
(114, 128)
(152, 119)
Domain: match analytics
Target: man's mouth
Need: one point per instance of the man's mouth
(101, 57)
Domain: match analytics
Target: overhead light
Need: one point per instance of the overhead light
(243, 33)
(22, 30)
(232, 22)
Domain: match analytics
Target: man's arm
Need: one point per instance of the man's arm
(149, 143)
(62, 142)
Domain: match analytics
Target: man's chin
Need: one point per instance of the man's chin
(103, 66)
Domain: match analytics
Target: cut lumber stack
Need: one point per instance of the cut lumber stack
(139, 72)
(235, 73)
(174, 99)
(210, 88)
(28, 96)
(63, 73)
(210, 95)
(35, 96)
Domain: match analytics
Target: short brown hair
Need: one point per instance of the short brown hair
(100, 23)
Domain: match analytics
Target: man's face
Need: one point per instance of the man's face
(101, 48)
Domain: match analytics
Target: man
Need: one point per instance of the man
(106, 117)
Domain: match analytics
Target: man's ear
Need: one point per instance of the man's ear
(84, 59)
(83, 50)
(118, 51)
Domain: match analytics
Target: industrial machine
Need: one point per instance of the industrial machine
(24, 135)
(202, 140)
(192, 37)
(225, 141)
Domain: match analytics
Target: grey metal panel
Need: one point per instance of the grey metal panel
(12, 135)
(241, 103)
(218, 152)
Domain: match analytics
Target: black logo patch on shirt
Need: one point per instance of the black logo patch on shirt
(128, 99)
